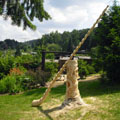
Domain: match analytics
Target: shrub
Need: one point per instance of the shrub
(12, 84)
(8, 84)
(82, 68)
(38, 77)
(15, 71)
(41, 77)
(51, 67)
(50, 56)
(28, 61)
(91, 69)
(53, 47)
(2, 87)
(6, 63)
(85, 69)
(97, 62)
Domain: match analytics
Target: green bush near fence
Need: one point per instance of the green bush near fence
(85, 69)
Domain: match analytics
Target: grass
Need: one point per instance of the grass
(103, 104)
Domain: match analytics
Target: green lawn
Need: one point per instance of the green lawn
(103, 104)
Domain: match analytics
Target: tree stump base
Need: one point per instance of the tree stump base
(73, 103)
(72, 92)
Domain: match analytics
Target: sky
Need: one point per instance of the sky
(66, 16)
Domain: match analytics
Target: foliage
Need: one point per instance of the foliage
(18, 52)
(83, 72)
(41, 77)
(109, 43)
(9, 44)
(85, 69)
(67, 40)
(54, 41)
(50, 56)
(28, 61)
(38, 77)
(12, 84)
(96, 61)
(17, 70)
(6, 63)
(15, 81)
(51, 67)
(53, 47)
(23, 12)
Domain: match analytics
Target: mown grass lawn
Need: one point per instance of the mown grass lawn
(103, 104)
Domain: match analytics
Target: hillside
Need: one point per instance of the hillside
(54, 41)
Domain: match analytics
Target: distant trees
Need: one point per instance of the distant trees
(68, 40)
(17, 52)
(108, 37)
(23, 12)
(9, 44)
(53, 47)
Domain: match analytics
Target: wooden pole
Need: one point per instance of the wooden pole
(36, 103)
(43, 60)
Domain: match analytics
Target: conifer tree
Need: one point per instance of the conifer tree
(108, 36)
(23, 12)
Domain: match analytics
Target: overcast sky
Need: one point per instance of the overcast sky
(66, 16)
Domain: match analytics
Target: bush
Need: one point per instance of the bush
(6, 63)
(41, 77)
(8, 85)
(91, 69)
(97, 62)
(28, 61)
(53, 47)
(12, 84)
(38, 77)
(84, 69)
(50, 56)
(51, 67)
(2, 87)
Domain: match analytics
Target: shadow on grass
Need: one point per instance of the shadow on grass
(95, 88)
(35, 92)
(60, 90)
(87, 88)
(46, 112)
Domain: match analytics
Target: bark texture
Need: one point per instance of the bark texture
(72, 91)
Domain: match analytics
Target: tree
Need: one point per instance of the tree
(65, 37)
(70, 46)
(23, 12)
(53, 47)
(108, 36)
(18, 52)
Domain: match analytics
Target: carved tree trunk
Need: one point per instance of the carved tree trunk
(72, 91)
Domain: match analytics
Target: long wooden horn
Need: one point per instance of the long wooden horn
(36, 103)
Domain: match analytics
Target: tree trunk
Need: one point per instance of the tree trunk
(72, 91)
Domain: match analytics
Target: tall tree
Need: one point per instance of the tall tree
(23, 11)
(108, 36)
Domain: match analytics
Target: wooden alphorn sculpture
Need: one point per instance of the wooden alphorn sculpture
(36, 103)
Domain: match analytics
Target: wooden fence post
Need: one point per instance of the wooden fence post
(43, 60)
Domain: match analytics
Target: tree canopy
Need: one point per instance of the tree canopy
(23, 12)
(68, 40)
(108, 36)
